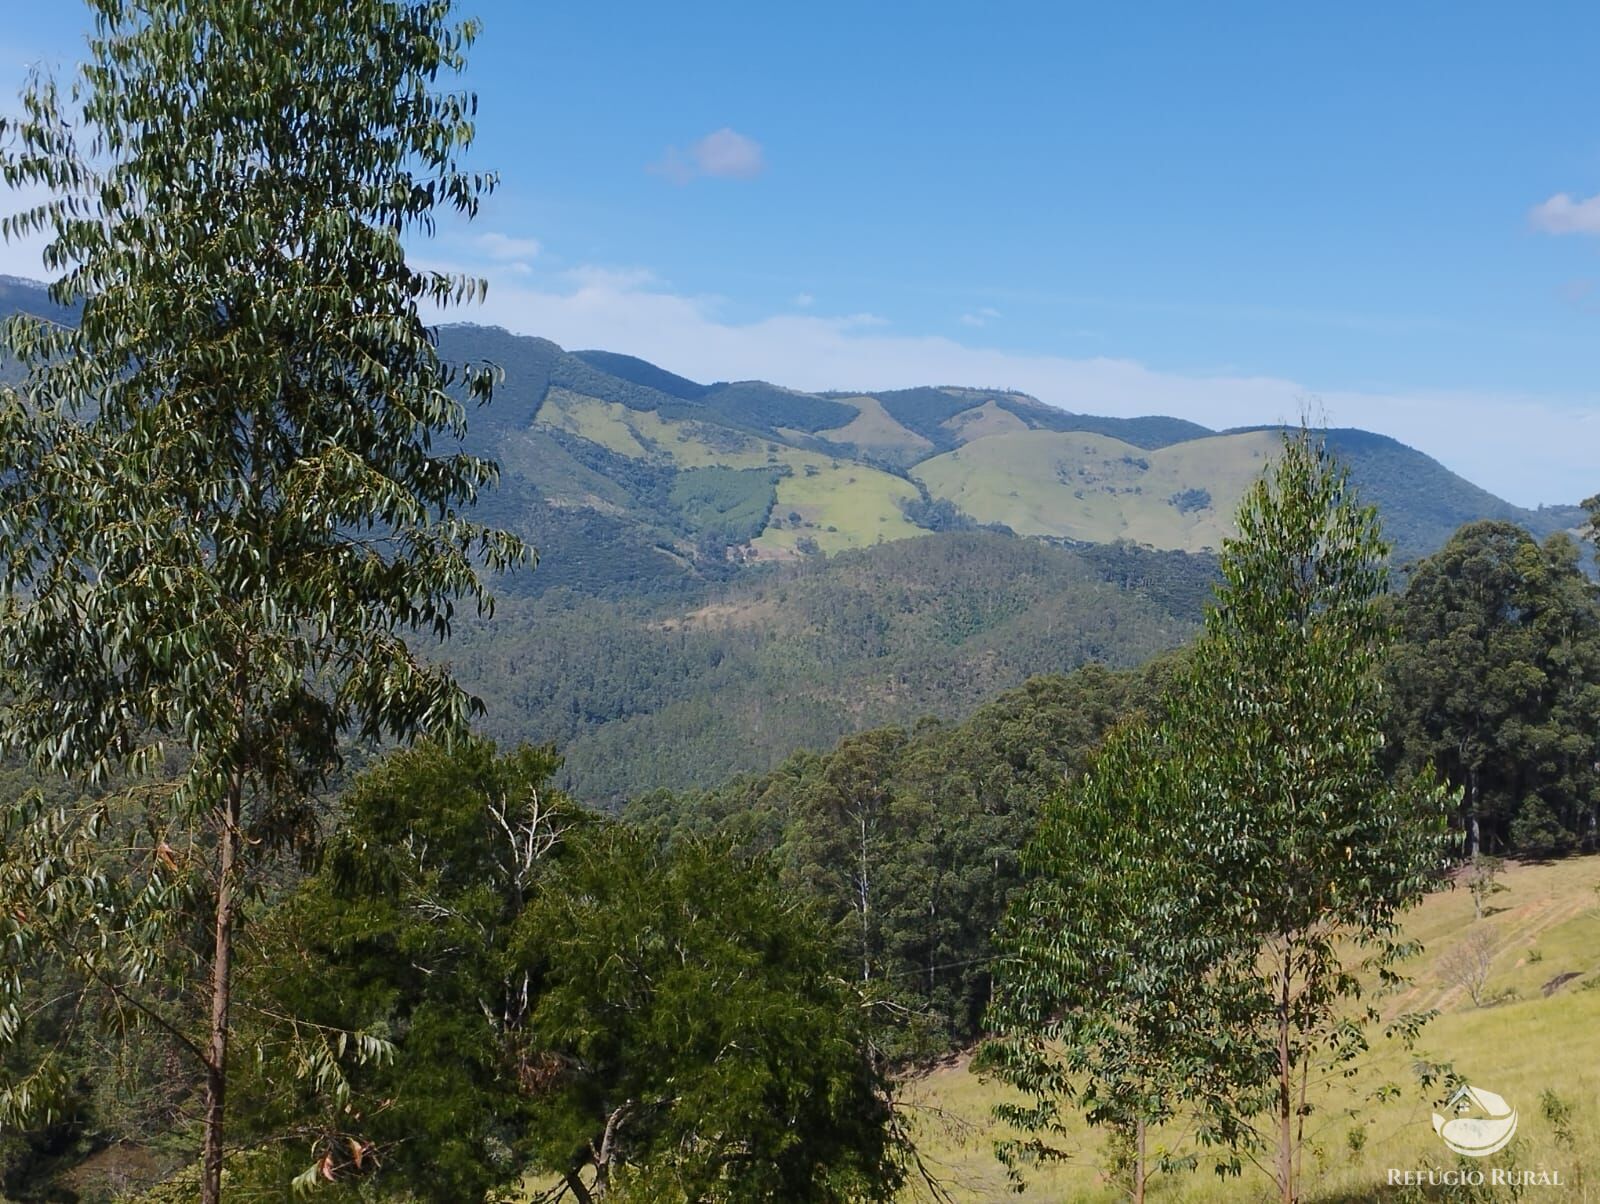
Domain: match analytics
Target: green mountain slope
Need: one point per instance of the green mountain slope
(731, 571)
(1098, 489)
(686, 690)
(851, 468)
(593, 445)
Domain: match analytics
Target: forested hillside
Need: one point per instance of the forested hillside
(729, 572)
(687, 690)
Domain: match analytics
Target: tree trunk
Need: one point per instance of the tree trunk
(1474, 842)
(221, 994)
(607, 1152)
(1139, 1174)
(1300, 1121)
(864, 890)
(1285, 1166)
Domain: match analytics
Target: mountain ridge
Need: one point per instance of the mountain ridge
(630, 477)
(892, 484)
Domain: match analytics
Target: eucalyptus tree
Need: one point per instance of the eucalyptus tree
(223, 516)
(1310, 849)
(1104, 998)
(1188, 937)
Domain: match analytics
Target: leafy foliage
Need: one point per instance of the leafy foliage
(404, 933)
(695, 1040)
(1311, 851)
(220, 514)
(1101, 997)
(1265, 846)
(686, 692)
(1497, 683)
(1187, 500)
(726, 505)
(559, 993)
(908, 839)
(936, 514)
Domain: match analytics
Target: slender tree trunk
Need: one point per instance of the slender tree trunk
(1285, 1087)
(1139, 1174)
(1300, 1121)
(607, 1152)
(864, 892)
(1474, 843)
(221, 993)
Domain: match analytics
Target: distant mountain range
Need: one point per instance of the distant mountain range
(629, 476)
(732, 571)
(609, 456)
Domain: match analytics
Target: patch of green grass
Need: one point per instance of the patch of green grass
(1077, 485)
(875, 429)
(850, 506)
(841, 503)
(982, 421)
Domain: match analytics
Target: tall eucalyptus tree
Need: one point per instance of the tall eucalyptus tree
(223, 515)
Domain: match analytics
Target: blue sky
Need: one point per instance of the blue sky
(1223, 212)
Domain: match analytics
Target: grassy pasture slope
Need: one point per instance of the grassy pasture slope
(1077, 485)
(842, 503)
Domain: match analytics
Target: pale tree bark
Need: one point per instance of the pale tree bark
(1285, 1164)
(1140, 1174)
(228, 816)
(607, 1151)
(864, 899)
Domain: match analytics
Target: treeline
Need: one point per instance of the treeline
(1496, 681)
(476, 978)
(910, 834)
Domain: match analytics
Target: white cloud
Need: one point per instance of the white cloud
(722, 154)
(804, 300)
(1526, 449)
(1563, 215)
(981, 318)
(505, 248)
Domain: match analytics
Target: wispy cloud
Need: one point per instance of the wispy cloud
(1561, 214)
(804, 300)
(1579, 293)
(981, 317)
(1541, 449)
(505, 248)
(722, 154)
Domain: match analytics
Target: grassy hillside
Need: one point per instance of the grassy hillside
(835, 503)
(1098, 489)
(1544, 926)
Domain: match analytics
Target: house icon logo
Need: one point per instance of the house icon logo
(1482, 1123)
